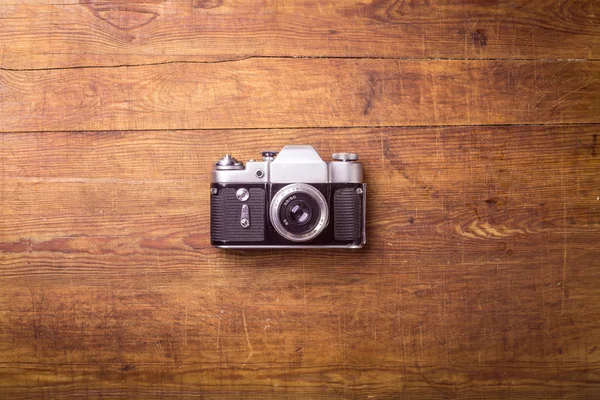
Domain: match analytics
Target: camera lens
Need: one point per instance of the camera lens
(299, 212)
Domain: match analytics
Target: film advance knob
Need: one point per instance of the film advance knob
(345, 156)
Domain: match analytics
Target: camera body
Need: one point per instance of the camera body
(290, 200)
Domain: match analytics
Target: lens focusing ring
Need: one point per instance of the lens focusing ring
(278, 201)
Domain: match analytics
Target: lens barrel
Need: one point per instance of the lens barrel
(299, 212)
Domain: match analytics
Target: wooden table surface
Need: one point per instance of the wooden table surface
(477, 123)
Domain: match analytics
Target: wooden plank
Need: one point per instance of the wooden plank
(116, 32)
(480, 278)
(154, 184)
(275, 93)
(304, 331)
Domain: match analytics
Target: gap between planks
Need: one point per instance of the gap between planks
(231, 60)
(562, 124)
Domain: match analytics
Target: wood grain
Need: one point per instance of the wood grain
(477, 123)
(116, 32)
(268, 93)
(479, 280)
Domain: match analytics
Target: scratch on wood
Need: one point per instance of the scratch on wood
(564, 269)
(370, 97)
(128, 367)
(250, 350)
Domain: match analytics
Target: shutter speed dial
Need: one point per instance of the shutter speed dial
(345, 156)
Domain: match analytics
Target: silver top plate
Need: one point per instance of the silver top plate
(294, 164)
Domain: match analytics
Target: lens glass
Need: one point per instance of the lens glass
(299, 213)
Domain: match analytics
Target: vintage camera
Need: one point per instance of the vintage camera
(290, 200)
